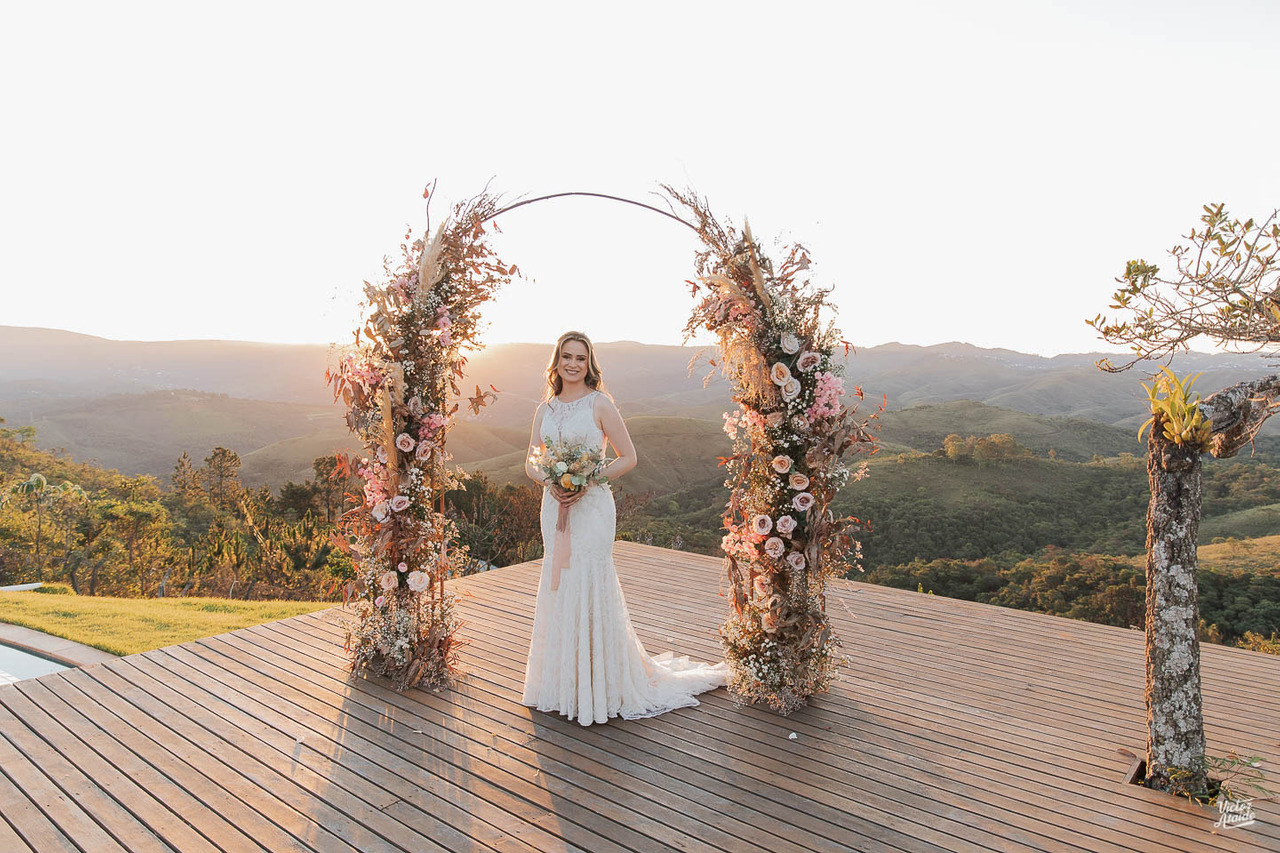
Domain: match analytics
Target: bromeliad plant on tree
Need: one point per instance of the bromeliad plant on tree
(400, 381)
(790, 432)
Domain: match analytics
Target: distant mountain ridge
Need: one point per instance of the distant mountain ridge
(41, 364)
(136, 405)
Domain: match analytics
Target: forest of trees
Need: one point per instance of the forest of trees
(1236, 607)
(105, 533)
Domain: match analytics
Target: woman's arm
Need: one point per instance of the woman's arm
(615, 430)
(535, 440)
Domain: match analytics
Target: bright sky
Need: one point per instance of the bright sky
(974, 171)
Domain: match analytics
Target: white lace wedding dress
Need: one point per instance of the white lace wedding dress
(585, 660)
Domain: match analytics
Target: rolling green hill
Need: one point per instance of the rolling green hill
(923, 427)
(277, 442)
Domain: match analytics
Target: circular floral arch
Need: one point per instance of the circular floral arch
(794, 424)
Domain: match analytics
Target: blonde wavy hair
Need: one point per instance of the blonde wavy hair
(594, 378)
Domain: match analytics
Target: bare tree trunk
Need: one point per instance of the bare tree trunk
(1175, 721)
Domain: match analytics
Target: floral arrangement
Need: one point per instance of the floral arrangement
(399, 381)
(572, 464)
(795, 422)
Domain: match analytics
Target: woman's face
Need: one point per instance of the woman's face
(573, 362)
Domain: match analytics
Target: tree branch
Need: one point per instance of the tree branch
(1238, 412)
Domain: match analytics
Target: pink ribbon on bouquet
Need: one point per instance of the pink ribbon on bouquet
(560, 560)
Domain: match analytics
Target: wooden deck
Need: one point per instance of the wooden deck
(958, 727)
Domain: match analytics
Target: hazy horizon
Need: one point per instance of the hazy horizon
(549, 342)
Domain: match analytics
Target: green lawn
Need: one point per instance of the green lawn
(125, 626)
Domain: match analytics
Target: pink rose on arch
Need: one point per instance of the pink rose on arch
(419, 580)
(802, 501)
(380, 512)
(761, 524)
(781, 463)
(796, 560)
(775, 547)
(790, 343)
(379, 601)
(388, 581)
(403, 567)
(381, 454)
(762, 586)
(399, 503)
(791, 389)
(775, 419)
(808, 361)
(798, 481)
(405, 442)
(786, 525)
(424, 450)
(780, 373)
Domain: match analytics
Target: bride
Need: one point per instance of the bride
(585, 660)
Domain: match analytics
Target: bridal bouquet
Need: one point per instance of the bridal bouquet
(572, 465)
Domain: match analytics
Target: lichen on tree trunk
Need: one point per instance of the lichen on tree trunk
(1175, 721)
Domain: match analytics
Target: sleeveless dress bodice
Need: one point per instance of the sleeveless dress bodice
(575, 421)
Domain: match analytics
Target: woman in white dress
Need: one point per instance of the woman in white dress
(585, 660)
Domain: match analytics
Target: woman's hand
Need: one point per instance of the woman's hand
(566, 498)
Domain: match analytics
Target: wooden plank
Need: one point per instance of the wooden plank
(592, 803)
(208, 780)
(635, 776)
(1042, 653)
(340, 800)
(838, 802)
(91, 728)
(10, 840)
(64, 817)
(338, 750)
(139, 821)
(786, 809)
(23, 821)
(396, 750)
(271, 790)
